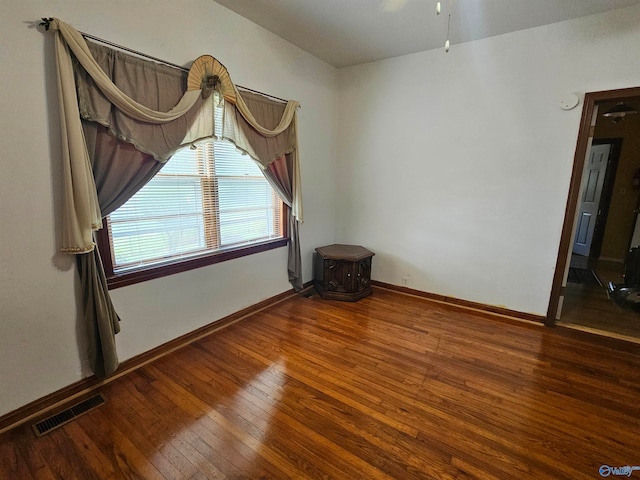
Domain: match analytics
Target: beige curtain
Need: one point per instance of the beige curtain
(81, 213)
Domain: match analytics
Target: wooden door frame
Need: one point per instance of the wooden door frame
(590, 101)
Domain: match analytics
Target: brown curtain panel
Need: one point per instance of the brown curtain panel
(121, 151)
(101, 319)
(119, 171)
(279, 175)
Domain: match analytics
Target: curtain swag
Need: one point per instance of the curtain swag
(121, 119)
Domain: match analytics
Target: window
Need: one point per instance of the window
(206, 205)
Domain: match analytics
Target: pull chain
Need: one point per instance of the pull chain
(447, 44)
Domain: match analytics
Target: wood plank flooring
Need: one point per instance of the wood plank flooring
(390, 387)
(589, 307)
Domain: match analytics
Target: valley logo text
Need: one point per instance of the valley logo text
(626, 471)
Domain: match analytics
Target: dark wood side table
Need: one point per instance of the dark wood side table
(343, 272)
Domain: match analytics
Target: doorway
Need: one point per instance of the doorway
(605, 238)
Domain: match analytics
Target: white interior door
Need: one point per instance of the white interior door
(592, 182)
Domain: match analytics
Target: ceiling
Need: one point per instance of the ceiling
(350, 32)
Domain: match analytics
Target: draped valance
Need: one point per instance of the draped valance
(122, 117)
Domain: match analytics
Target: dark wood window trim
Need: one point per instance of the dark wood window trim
(117, 280)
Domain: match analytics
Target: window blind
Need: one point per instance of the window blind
(205, 199)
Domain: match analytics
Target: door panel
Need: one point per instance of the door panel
(593, 180)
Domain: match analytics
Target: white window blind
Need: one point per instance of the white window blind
(204, 200)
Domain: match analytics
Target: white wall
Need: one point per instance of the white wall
(42, 347)
(454, 168)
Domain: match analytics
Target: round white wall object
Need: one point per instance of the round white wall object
(569, 101)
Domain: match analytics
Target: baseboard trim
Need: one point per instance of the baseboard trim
(479, 308)
(600, 333)
(612, 259)
(60, 398)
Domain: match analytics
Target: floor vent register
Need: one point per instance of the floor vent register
(59, 419)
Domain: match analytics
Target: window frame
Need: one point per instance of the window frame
(117, 280)
(178, 265)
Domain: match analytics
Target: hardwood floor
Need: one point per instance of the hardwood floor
(589, 308)
(390, 387)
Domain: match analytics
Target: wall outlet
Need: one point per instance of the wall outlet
(405, 281)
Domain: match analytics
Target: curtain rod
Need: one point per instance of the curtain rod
(46, 22)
